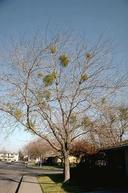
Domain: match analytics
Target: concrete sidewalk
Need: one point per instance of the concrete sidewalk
(30, 184)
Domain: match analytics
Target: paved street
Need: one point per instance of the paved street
(9, 179)
(12, 173)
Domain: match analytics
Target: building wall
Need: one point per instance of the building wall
(73, 160)
(9, 157)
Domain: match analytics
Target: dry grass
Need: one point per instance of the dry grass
(53, 183)
(49, 186)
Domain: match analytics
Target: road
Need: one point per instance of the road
(12, 173)
(9, 178)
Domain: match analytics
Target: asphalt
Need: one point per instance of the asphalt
(17, 178)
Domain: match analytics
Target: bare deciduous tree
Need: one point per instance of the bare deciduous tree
(52, 90)
(112, 125)
(38, 149)
(80, 148)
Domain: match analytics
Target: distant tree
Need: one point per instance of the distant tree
(52, 90)
(80, 148)
(122, 121)
(38, 148)
(112, 125)
(21, 156)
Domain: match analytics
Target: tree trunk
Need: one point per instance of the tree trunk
(66, 168)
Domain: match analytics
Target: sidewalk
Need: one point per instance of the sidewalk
(30, 184)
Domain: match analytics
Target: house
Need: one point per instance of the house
(56, 160)
(115, 158)
(9, 157)
(108, 167)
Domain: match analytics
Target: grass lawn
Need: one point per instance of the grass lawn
(52, 183)
(45, 167)
(49, 186)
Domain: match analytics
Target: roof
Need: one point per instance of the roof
(116, 146)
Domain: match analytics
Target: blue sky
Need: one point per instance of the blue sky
(87, 18)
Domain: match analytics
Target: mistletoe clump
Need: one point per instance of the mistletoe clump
(64, 60)
(86, 122)
(47, 94)
(18, 114)
(13, 110)
(53, 49)
(49, 79)
(73, 119)
(83, 78)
